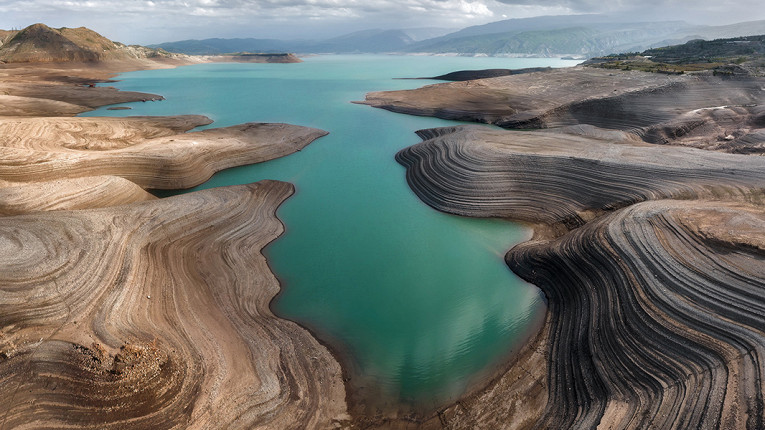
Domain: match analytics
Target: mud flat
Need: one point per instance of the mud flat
(118, 309)
(651, 257)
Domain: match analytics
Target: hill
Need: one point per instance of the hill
(39, 43)
(739, 55)
(546, 36)
(374, 40)
(551, 38)
(588, 35)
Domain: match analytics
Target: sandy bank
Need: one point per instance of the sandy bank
(172, 161)
(67, 89)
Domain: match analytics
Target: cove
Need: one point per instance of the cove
(419, 304)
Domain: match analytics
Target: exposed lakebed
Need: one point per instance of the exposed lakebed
(420, 303)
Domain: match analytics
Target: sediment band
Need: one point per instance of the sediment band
(564, 180)
(151, 152)
(656, 317)
(155, 315)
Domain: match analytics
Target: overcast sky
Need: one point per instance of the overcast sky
(156, 21)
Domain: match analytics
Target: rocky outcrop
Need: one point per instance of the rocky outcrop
(654, 304)
(155, 315)
(518, 101)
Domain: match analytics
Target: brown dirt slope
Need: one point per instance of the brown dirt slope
(39, 43)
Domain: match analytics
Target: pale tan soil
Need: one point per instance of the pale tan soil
(120, 310)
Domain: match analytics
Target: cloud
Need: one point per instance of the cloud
(151, 21)
(705, 10)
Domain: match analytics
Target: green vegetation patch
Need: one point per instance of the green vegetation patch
(696, 55)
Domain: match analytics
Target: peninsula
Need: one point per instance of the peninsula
(122, 309)
(646, 193)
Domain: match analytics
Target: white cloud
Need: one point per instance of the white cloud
(150, 21)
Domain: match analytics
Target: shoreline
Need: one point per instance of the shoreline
(642, 172)
(614, 173)
(390, 414)
(322, 409)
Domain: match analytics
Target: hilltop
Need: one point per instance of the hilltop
(545, 36)
(39, 43)
(738, 55)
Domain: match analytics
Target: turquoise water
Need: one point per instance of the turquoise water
(420, 303)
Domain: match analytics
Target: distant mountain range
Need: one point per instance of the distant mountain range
(578, 35)
(356, 42)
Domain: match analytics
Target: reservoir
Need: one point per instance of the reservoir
(418, 304)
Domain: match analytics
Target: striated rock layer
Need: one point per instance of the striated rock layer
(708, 112)
(564, 180)
(68, 194)
(146, 151)
(655, 305)
(143, 313)
(155, 315)
(656, 317)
